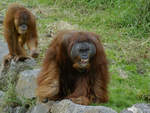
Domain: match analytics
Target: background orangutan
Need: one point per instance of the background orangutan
(20, 28)
(75, 67)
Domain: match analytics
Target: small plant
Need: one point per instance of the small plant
(144, 95)
(10, 97)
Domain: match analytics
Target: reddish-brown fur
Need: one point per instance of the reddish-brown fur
(15, 40)
(58, 79)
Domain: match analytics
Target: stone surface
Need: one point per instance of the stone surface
(40, 108)
(18, 109)
(65, 25)
(19, 65)
(66, 106)
(10, 73)
(3, 50)
(26, 84)
(1, 98)
(58, 26)
(138, 108)
(122, 73)
(1, 94)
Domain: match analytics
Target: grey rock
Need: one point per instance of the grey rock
(10, 73)
(1, 98)
(58, 26)
(122, 73)
(26, 84)
(1, 94)
(39, 108)
(138, 108)
(61, 25)
(18, 109)
(19, 65)
(3, 50)
(67, 106)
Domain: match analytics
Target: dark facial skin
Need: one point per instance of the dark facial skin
(82, 52)
(22, 28)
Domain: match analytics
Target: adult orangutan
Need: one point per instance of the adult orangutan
(20, 29)
(75, 68)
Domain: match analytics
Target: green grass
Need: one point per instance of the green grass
(124, 26)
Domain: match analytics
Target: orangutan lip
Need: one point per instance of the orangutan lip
(84, 61)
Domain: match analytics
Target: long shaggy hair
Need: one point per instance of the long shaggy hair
(58, 79)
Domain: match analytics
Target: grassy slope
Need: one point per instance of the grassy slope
(127, 55)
